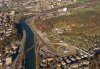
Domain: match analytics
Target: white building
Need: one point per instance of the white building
(12, 13)
(8, 60)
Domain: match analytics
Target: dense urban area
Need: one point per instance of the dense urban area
(49, 34)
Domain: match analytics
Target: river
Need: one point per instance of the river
(30, 56)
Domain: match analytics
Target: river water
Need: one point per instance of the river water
(30, 56)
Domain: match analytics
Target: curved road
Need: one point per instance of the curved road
(44, 40)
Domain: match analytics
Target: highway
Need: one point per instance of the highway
(47, 42)
(73, 47)
(44, 40)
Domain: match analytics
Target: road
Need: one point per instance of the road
(44, 40)
(47, 42)
(65, 44)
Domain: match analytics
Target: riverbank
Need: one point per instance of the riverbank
(20, 52)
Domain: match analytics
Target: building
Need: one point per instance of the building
(8, 60)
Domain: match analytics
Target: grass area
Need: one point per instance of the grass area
(89, 19)
(85, 21)
(82, 1)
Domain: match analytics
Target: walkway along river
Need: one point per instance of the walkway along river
(30, 56)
